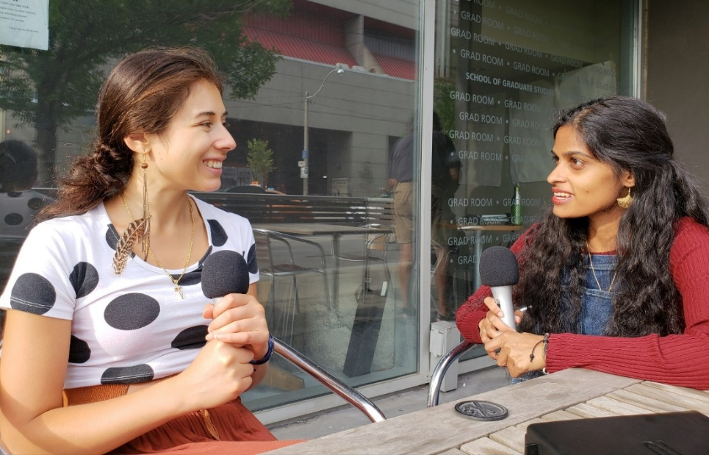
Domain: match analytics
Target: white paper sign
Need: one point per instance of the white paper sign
(340, 186)
(25, 23)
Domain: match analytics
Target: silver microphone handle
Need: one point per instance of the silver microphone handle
(504, 298)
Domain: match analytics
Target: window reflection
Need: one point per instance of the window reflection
(313, 143)
(503, 70)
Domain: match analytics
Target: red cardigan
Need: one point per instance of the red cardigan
(679, 359)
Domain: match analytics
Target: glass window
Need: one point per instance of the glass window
(317, 92)
(323, 102)
(503, 70)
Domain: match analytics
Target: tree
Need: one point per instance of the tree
(444, 105)
(260, 158)
(47, 89)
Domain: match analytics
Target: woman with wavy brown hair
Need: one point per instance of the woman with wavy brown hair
(110, 344)
(615, 276)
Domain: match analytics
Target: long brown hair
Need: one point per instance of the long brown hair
(142, 94)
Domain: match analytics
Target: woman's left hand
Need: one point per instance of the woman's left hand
(514, 351)
(239, 319)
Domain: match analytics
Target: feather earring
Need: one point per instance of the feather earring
(133, 232)
(626, 201)
(137, 230)
(145, 236)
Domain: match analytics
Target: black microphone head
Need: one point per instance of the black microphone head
(224, 272)
(498, 267)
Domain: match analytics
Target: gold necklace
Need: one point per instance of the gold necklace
(595, 274)
(175, 282)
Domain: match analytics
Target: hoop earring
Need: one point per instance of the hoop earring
(626, 201)
(145, 239)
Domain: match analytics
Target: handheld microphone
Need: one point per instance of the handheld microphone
(499, 270)
(224, 272)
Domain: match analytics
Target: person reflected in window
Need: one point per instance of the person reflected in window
(110, 280)
(18, 202)
(615, 276)
(445, 168)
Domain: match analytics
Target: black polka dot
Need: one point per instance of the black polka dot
(112, 237)
(251, 260)
(14, 194)
(131, 311)
(190, 338)
(84, 278)
(191, 278)
(33, 293)
(79, 351)
(35, 203)
(131, 374)
(13, 218)
(219, 236)
(204, 257)
(195, 277)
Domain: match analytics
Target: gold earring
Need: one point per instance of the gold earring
(137, 230)
(626, 201)
(145, 241)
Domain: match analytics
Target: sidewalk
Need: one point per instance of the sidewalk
(347, 417)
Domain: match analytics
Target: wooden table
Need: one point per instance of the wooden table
(568, 394)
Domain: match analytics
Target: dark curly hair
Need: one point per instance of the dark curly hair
(142, 94)
(628, 134)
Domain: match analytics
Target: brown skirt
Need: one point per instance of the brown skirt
(228, 429)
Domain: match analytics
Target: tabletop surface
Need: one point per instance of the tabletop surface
(568, 394)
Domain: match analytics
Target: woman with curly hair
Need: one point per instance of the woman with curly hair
(615, 276)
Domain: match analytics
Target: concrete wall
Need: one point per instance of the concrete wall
(677, 76)
(350, 121)
(404, 13)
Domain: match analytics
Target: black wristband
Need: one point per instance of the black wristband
(544, 341)
(268, 354)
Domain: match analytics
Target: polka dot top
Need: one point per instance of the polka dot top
(127, 328)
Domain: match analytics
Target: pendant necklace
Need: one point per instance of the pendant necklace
(595, 274)
(175, 282)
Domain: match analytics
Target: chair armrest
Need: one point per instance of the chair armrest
(286, 238)
(337, 386)
(442, 366)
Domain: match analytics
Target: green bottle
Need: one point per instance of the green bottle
(516, 211)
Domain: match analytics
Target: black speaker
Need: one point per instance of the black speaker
(662, 433)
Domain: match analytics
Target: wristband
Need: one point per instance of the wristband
(544, 341)
(268, 354)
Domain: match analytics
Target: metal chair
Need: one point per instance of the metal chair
(375, 249)
(437, 375)
(337, 386)
(277, 259)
